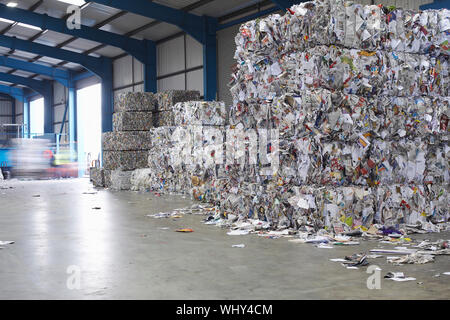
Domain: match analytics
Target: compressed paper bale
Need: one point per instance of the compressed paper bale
(163, 148)
(306, 205)
(168, 178)
(120, 180)
(135, 101)
(97, 176)
(411, 203)
(107, 177)
(200, 113)
(367, 27)
(306, 60)
(167, 99)
(164, 118)
(141, 179)
(132, 121)
(125, 160)
(333, 114)
(185, 147)
(126, 141)
(170, 182)
(363, 132)
(347, 70)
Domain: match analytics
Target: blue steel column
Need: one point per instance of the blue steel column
(150, 84)
(107, 98)
(26, 118)
(210, 59)
(48, 108)
(436, 4)
(48, 114)
(284, 4)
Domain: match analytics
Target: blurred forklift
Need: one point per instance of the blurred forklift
(39, 157)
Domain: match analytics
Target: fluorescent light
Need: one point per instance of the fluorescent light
(12, 4)
(29, 26)
(75, 2)
(21, 24)
(6, 20)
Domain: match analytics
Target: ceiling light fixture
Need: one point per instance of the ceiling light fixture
(21, 24)
(12, 4)
(75, 2)
(29, 26)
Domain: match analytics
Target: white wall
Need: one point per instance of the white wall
(128, 75)
(19, 111)
(179, 66)
(225, 48)
(5, 111)
(405, 4)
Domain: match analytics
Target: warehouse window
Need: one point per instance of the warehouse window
(89, 125)
(37, 117)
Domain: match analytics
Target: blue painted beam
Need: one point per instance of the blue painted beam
(150, 82)
(285, 4)
(62, 76)
(12, 91)
(437, 4)
(95, 65)
(248, 18)
(201, 28)
(30, 94)
(188, 22)
(80, 76)
(107, 100)
(210, 60)
(132, 46)
(44, 88)
(39, 86)
(102, 67)
(48, 111)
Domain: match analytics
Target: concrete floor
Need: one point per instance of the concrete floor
(122, 254)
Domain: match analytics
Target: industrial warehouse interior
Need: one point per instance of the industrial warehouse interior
(212, 150)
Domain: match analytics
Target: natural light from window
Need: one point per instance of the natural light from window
(37, 117)
(89, 124)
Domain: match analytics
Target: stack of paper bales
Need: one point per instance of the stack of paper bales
(358, 97)
(164, 116)
(126, 148)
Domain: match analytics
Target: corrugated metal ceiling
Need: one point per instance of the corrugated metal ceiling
(94, 14)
